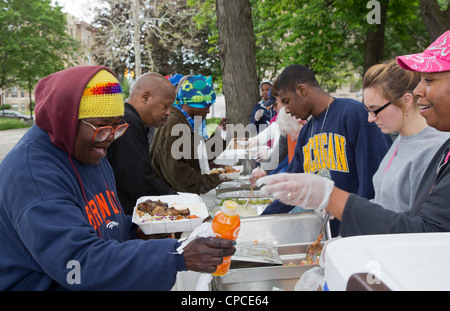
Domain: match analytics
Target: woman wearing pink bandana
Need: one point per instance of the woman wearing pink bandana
(430, 211)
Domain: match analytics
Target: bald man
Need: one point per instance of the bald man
(147, 106)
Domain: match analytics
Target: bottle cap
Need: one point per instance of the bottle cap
(230, 208)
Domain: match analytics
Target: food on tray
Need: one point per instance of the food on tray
(230, 169)
(259, 201)
(224, 170)
(150, 210)
(309, 262)
(304, 262)
(238, 201)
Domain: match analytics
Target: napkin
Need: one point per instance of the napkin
(204, 230)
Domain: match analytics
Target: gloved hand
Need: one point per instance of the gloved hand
(252, 142)
(257, 173)
(262, 155)
(309, 191)
(259, 114)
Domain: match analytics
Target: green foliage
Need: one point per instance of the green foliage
(170, 41)
(8, 124)
(34, 41)
(328, 36)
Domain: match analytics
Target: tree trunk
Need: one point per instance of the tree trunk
(237, 55)
(436, 21)
(137, 39)
(373, 53)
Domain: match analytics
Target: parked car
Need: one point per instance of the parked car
(14, 115)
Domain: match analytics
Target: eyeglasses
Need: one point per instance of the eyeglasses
(377, 111)
(102, 133)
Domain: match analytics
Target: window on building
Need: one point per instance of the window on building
(13, 91)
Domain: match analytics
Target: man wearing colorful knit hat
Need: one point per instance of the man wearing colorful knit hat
(182, 147)
(62, 225)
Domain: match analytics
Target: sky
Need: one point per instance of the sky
(83, 9)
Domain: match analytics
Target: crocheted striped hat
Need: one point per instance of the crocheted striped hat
(102, 97)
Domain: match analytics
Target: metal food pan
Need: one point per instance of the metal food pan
(243, 194)
(250, 276)
(244, 209)
(292, 233)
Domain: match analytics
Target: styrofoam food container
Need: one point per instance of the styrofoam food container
(181, 201)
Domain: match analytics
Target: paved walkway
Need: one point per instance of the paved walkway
(8, 139)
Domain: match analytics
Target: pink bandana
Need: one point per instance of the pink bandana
(436, 58)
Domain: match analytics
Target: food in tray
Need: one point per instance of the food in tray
(224, 170)
(304, 262)
(256, 201)
(150, 210)
(309, 262)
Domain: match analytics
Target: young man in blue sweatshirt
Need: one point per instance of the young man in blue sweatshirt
(61, 223)
(430, 210)
(338, 142)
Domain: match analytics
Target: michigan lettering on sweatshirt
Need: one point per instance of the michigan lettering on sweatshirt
(325, 151)
(100, 208)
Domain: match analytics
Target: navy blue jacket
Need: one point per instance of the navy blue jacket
(348, 150)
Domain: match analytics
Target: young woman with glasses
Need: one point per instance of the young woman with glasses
(391, 105)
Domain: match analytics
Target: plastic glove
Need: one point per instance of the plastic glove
(257, 173)
(259, 114)
(311, 280)
(252, 142)
(262, 155)
(310, 191)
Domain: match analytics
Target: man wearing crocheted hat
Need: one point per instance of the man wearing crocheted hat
(181, 152)
(62, 225)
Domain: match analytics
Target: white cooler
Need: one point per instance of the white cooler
(402, 262)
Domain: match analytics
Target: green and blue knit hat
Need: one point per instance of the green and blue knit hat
(197, 92)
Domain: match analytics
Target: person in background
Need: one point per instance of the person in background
(181, 152)
(62, 226)
(175, 79)
(148, 106)
(262, 113)
(430, 211)
(388, 97)
(271, 134)
(337, 142)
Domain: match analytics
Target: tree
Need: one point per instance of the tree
(162, 37)
(237, 55)
(436, 20)
(335, 38)
(34, 42)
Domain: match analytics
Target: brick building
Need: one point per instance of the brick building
(19, 98)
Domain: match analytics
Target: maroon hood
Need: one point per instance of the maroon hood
(58, 98)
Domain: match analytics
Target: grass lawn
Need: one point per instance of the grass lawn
(8, 124)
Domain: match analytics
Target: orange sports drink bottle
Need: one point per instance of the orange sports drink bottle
(226, 225)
